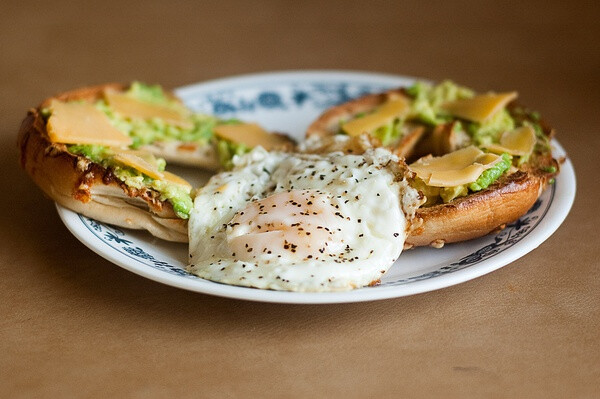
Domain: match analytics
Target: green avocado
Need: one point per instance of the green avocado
(148, 131)
(390, 132)
(490, 131)
(226, 150)
(447, 194)
(425, 107)
(428, 100)
(179, 196)
(492, 174)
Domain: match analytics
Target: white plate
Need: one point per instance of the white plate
(287, 102)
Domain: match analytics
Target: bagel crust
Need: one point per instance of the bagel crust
(477, 214)
(328, 123)
(85, 187)
(463, 218)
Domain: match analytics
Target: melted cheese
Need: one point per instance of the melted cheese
(520, 141)
(146, 163)
(251, 135)
(141, 161)
(479, 108)
(82, 123)
(459, 167)
(131, 108)
(390, 110)
(173, 178)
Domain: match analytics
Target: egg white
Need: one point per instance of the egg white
(313, 222)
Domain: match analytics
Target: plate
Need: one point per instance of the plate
(288, 102)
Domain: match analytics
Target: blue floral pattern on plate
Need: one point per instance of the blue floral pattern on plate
(295, 96)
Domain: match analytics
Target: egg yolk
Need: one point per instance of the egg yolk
(294, 225)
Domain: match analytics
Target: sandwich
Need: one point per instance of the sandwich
(102, 151)
(480, 161)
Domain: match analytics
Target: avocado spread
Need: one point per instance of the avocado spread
(426, 108)
(226, 150)
(390, 132)
(178, 195)
(146, 131)
(492, 174)
(436, 195)
(428, 99)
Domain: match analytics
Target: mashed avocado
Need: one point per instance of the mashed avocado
(96, 153)
(152, 94)
(447, 194)
(492, 174)
(386, 134)
(226, 150)
(490, 131)
(426, 107)
(178, 195)
(428, 99)
(148, 131)
(390, 132)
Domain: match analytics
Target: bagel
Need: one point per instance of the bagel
(419, 140)
(96, 189)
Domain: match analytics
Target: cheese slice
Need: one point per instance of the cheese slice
(141, 161)
(146, 163)
(520, 141)
(131, 108)
(173, 178)
(82, 123)
(390, 110)
(454, 169)
(479, 108)
(251, 135)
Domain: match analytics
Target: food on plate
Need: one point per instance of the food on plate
(415, 166)
(101, 151)
(302, 222)
(480, 160)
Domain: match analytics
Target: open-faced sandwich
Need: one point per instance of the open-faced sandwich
(479, 160)
(101, 151)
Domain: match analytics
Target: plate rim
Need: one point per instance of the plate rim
(558, 210)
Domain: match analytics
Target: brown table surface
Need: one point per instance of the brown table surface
(74, 324)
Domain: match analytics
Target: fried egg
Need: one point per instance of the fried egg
(300, 222)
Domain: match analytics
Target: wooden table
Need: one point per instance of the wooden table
(74, 325)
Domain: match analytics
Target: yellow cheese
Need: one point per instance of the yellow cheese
(520, 141)
(173, 178)
(385, 114)
(82, 123)
(479, 108)
(141, 161)
(454, 169)
(146, 163)
(131, 108)
(251, 135)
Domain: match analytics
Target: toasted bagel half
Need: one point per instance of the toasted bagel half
(86, 187)
(465, 217)
(95, 188)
